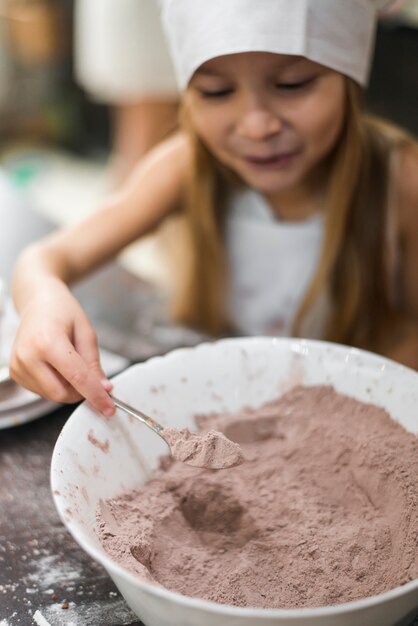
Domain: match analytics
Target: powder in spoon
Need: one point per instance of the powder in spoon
(211, 450)
(323, 511)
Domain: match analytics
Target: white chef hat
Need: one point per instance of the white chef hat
(336, 33)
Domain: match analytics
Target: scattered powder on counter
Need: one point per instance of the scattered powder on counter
(211, 450)
(39, 619)
(324, 509)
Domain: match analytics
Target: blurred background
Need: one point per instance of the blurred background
(56, 149)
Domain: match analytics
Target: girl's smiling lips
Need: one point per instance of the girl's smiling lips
(273, 160)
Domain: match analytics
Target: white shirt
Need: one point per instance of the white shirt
(271, 264)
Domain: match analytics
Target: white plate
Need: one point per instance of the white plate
(13, 397)
(39, 408)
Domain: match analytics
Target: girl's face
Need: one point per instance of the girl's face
(271, 118)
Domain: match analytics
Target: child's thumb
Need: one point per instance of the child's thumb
(106, 383)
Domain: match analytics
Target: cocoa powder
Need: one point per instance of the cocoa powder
(211, 450)
(322, 511)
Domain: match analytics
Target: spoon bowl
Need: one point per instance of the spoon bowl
(210, 450)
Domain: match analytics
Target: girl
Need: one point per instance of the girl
(300, 212)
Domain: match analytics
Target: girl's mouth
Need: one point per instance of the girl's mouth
(272, 161)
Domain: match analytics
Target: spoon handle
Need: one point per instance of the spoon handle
(145, 419)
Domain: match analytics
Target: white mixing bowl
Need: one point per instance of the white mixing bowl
(221, 376)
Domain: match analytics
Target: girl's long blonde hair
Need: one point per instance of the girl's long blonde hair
(353, 264)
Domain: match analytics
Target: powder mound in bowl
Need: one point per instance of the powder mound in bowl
(211, 450)
(323, 511)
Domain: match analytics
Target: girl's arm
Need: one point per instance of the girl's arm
(55, 352)
(404, 346)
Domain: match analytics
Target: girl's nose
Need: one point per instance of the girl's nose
(258, 124)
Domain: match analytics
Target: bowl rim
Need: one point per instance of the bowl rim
(296, 345)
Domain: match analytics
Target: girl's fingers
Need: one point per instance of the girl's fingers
(47, 382)
(107, 384)
(66, 360)
(86, 344)
(62, 362)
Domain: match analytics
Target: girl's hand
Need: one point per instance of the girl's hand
(55, 353)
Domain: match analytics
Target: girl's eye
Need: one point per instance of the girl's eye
(295, 86)
(220, 93)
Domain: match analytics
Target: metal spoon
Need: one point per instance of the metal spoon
(145, 419)
(210, 450)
